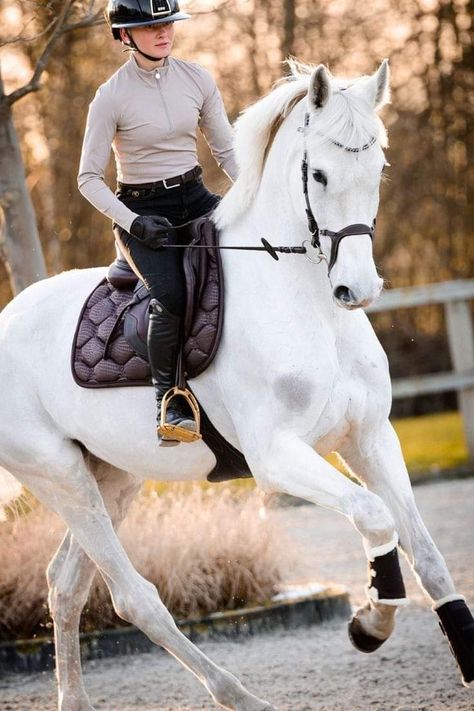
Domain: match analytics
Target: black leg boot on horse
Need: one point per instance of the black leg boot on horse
(163, 345)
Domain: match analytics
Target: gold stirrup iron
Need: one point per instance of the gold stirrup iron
(174, 432)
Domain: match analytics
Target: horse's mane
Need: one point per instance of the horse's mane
(346, 118)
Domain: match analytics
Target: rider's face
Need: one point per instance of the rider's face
(155, 40)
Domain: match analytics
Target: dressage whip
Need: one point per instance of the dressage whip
(266, 247)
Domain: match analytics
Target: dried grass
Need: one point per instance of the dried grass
(205, 550)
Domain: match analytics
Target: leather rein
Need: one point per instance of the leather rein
(313, 227)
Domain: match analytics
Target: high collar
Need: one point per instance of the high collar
(148, 76)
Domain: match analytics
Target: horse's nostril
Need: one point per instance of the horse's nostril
(344, 294)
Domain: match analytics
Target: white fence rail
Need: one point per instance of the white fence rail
(455, 296)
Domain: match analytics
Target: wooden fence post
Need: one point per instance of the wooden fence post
(461, 346)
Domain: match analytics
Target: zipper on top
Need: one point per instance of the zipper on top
(163, 100)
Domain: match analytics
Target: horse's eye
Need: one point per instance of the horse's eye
(320, 177)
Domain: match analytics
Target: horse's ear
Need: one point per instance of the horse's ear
(374, 89)
(319, 90)
(382, 85)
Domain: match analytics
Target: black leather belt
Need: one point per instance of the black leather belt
(166, 184)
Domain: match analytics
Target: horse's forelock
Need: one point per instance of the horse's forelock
(349, 119)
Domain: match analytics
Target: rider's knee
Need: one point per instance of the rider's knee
(172, 296)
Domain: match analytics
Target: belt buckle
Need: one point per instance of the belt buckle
(170, 187)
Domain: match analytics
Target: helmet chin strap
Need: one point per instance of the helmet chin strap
(133, 45)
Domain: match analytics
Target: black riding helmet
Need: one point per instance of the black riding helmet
(136, 13)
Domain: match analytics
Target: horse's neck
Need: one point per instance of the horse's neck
(301, 283)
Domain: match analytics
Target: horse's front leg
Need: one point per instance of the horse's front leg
(289, 465)
(377, 459)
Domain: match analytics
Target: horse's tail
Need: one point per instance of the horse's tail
(10, 489)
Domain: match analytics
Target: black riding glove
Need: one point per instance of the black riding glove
(152, 230)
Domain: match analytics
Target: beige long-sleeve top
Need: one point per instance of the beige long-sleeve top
(150, 119)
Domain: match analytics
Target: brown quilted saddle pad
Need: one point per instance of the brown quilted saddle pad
(109, 347)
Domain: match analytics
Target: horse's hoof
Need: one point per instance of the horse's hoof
(361, 640)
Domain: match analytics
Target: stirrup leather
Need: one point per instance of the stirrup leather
(175, 432)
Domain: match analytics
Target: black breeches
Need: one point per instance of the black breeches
(161, 270)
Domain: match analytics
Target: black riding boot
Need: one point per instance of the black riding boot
(163, 344)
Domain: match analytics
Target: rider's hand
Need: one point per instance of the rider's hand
(152, 230)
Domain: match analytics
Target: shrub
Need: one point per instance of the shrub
(205, 549)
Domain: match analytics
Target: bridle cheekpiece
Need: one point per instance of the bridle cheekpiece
(313, 227)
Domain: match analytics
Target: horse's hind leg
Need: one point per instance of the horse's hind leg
(68, 590)
(377, 458)
(70, 575)
(61, 479)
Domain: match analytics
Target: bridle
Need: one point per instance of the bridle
(313, 227)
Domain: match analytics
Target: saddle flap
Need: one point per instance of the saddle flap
(205, 297)
(135, 325)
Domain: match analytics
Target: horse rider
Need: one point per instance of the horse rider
(149, 112)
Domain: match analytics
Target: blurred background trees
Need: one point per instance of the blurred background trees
(20, 248)
(426, 215)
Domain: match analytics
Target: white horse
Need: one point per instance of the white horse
(296, 377)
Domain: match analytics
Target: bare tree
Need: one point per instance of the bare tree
(20, 247)
(288, 31)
